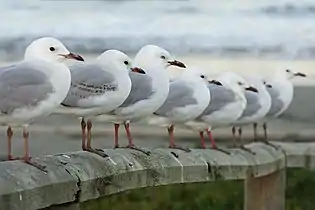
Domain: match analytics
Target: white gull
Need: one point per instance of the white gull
(226, 105)
(281, 95)
(188, 98)
(257, 106)
(148, 91)
(98, 87)
(34, 87)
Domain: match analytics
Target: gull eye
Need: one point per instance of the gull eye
(287, 70)
(163, 57)
(202, 76)
(126, 62)
(239, 83)
(52, 49)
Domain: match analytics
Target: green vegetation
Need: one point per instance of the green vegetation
(222, 195)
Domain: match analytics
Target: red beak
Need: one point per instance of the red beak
(138, 70)
(74, 57)
(177, 63)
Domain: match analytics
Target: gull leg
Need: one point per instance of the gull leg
(172, 140)
(27, 158)
(9, 149)
(234, 137)
(116, 127)
(255, 132)
(240, 131)
(213, 144)
(83, 134)
(202, 140)
(265, 132)
(89, 142)
(265, 141)
(130, 140)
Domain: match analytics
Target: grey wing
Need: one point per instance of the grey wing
(141, 89)
(88, 80)
(22, 85)
(180, 95)
(276, 103)
(220, 97)
(253, 105)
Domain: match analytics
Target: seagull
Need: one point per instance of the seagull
(188, 97)
(226, 105)
(98, 88)
(33, 88)
(257, 106)
(148, 91)
(281, 95)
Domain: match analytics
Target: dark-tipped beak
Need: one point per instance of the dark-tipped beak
(250, 88)
(299, 74)
(215, 82)
(138, 70)
(74, 57)
(177, 63)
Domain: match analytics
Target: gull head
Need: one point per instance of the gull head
(289, 74)
(266, 84)
(117, 61)
(235, 82)
(196, 74)
(154, 55)
(49, 49)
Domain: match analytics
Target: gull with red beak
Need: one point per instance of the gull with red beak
(188, 97)
(227, 103)
(34, 87)
(148, 91)
(98, 87)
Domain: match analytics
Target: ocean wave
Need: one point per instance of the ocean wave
(13, 48)
(290, 10)
(221, 28)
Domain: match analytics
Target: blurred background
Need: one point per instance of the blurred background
(246, 36)
(281, 29)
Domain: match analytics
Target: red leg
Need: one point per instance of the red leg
(83, 132)
(130, 140)
(213, 144)
(27, 158)
(202, 139)
(172, 140)
(9, 135)
(89, 142)
(116, 126)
